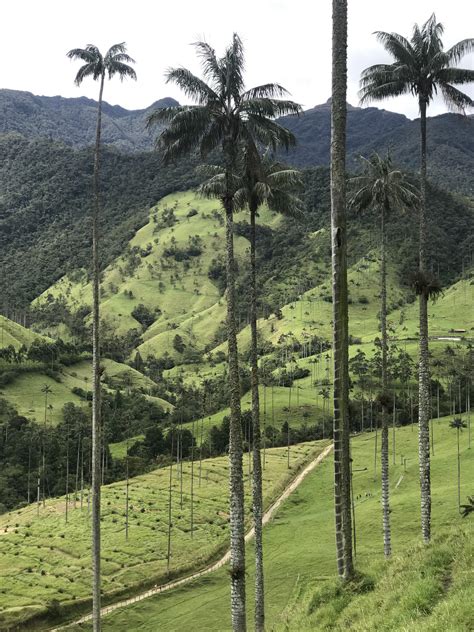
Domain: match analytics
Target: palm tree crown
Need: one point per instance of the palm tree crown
(258, 180)
(421, 67)
(224, 109)
(114, 62)
(382, 186)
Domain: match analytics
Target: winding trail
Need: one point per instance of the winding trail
(267, 516)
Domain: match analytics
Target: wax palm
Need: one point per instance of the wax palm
(458, 424)
(224, 115)
(259, 180)
(341, 429)
(384, 189)
(421, 67)
(115, 62)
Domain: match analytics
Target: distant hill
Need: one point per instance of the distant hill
(72, 121)
(450, 142)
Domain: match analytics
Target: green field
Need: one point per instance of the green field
(301, 593)
(42, 558)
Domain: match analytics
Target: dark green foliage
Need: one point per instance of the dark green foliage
(46, 206)
(144, 315)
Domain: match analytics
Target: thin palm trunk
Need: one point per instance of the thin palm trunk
(237, 521)
(192, 482)
(96, 423)
(340, 304)
(257, 463)
(387, 546)
(424, 371)
(459, 473)
(168, 554)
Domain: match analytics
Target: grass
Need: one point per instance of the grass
(301, 594)
(13, 334)
(42, 558)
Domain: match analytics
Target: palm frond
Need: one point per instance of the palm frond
(116, 49)
(273, 108)
(460, 50)
(122, 70)
(455, 75)
(267, 90)
(268, 133)
(85, 54)
(398, 46)
(209, 63)
(165, 115)
(191, 85)
(88, 70)
(455, 99)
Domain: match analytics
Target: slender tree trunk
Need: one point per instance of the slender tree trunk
(257, 463)
(424, 370)
(192, 482)
(459, 474)
(96, 421)
(342, 494)
(387, 545)
(168, 555)
(237, 517)
(127, 490)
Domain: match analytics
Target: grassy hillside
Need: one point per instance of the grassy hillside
(434, 593)
(42, 558)
(12, 333)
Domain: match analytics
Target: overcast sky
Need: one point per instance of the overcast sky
(287, 42)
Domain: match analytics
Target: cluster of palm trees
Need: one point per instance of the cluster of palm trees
(236, 122)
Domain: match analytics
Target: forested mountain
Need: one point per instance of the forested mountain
(72, 121)
(45, 207)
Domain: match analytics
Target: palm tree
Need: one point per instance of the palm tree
(383, 189)
(225, 115)
(421, 67)
(342, 483)
(114, 62)
(260, 181)
(458, 424)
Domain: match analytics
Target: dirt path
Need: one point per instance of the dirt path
(267, 516)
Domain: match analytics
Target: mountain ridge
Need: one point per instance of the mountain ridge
(72, 121)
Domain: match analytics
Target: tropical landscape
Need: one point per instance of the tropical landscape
(237, 345)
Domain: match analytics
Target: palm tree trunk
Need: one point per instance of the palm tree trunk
(257, 463)
(96, 429)
(424, 371)
(237, 522)
(339, 285)
(387, 546)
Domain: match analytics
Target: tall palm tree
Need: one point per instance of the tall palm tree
(421, 67)
(225, 114)
(260, 181)
(458, 424)
(115, 62)
(383, 189)
(342, 482)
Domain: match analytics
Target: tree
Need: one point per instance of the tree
(458, 424)
(260, 180)
(342, 483)
(225, 115)
(383, 189)
(421, 67)
(114, 62)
